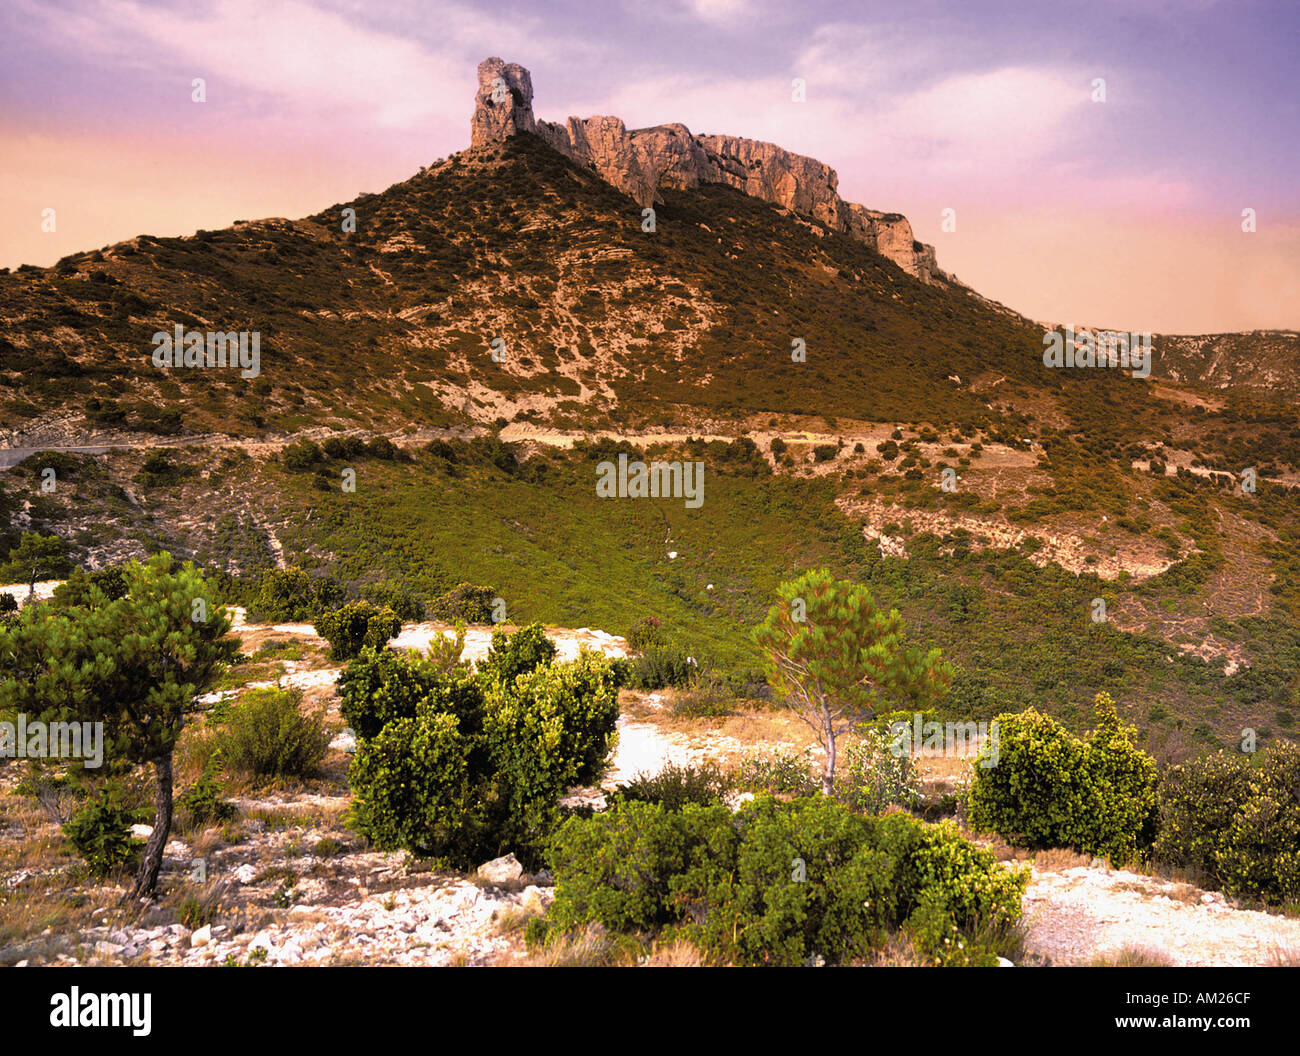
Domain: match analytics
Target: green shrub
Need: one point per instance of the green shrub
(782, 883)
(874, 777)
(780, 772)
(465, 602)
(825, 452)
(75, 591)
(355, 626)
(463, 766)
(1051, 789)
(414, 789)
(512, 655)
(549, 729)
(101, 833)
(1235, 821)
(395, 596)
(646, 633)
(661, 666)
(285, 595)
(202, 803)
(381, 686)
(301, 454)
(673, 787)
(267, 735)
(709, 696)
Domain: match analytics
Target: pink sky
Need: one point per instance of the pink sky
(1124, 213)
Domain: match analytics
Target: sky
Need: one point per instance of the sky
(1124, 211)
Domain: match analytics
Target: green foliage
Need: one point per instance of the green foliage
(673, 787)
(708, 696)
(203, 803)
(463, 766)
(285, 595)
(267, 735)
(781, 883)
(301, 454)
(831, 654)
(1235, 821)
(873, 777)
(660, 666)
(780, 772)
(1051, 789)
(549, 729)
(79, 588)
(512, 655)
(465, 602)
(646, 633)
(381, 686)
(35, 557)
(395, 596)
(355, 626)
(101, 833)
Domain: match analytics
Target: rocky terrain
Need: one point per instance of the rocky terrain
(642, 161)
(296, 887)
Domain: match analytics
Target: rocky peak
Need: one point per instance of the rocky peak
(503, 104)
(641, 161)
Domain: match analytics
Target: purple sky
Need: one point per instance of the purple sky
(1124, 213)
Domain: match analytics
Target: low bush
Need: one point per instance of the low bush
(1236, 821)
(782, 883)
(709, 696)
(460, 765)
(101, 833)
(674, 786)
(203, 803)
(267, 735)
(646, 633)
(661, 666)
(466, 602)
(355, 626)
(395, 596)
(780, 772)
(1051, 789)
(873, 777)
(512, 655)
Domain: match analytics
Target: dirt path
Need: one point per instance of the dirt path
(1078, 914)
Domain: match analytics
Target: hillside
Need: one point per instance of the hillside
(1066, 485)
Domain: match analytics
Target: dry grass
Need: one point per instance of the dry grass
(591, 947)
(1132, 957)
(1283, 957)
(513, 919)
(678, 954)
(1058, 859)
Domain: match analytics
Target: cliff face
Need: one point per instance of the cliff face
(640, 161)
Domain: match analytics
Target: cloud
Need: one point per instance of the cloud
(315, 58)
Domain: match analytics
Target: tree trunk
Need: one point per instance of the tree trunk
(146, 878)
(828, 775)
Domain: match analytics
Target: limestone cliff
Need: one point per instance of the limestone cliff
(640, 161)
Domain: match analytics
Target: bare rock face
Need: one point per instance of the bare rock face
(641, 161)
(503, 104)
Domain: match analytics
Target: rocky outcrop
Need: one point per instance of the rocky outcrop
(641, 161)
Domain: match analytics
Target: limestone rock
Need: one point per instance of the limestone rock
(642, 161)
(502, 870)
(503, 105)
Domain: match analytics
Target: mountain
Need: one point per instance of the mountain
(854, 406)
